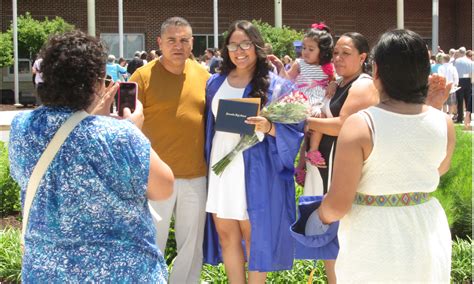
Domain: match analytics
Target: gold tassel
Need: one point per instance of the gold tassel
(310, 278)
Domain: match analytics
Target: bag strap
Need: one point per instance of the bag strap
(44, 162)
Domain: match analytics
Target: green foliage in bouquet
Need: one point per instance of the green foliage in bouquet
(281, 112)
(245, 142)
(289, 108)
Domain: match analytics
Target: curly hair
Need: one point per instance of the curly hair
(72, 66)
(322, 36)
(261, 78)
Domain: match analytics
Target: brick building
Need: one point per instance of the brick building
(142, 18)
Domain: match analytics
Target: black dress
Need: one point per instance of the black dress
(327, 146)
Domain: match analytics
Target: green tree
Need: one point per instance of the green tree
(6, 49)
(32, 34)
(281, 39)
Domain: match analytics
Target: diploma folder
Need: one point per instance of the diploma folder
(231, 115)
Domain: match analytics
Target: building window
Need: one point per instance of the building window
(131, 43)
(24, 67)
(203, 41)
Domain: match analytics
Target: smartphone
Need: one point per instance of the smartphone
(127, 96)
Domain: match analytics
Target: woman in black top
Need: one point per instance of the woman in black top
(354, 92)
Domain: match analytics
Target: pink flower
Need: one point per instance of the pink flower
(316, 159)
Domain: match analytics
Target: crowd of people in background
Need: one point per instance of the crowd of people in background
(457, 67)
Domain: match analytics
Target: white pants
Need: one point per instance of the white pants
(187, 204)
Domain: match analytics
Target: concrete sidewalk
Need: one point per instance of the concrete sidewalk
(6, 118)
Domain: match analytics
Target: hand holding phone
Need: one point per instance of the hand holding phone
(137, 116)
(127, 96)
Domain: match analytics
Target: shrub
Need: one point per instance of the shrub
(32, 34)
(281, 39)
(170, 251)
(9, 189)
(10, 256)
(214, 274)
(6, 49)
(300, 273)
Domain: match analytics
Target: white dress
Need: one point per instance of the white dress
(226, 193)
(407, 244)
(313, 183)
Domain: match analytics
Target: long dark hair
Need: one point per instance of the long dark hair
(261, 77)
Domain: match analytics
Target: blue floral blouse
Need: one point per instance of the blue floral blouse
(89, 221)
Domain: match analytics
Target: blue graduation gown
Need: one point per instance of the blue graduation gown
(270, 188)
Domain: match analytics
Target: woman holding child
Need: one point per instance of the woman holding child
(354, 91)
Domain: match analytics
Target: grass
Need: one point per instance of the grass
(10, 264)
(10, 256)
(454, 193)
(461, 268)
(455, 188)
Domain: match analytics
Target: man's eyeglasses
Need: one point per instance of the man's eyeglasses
(108, 79)
(245, 45)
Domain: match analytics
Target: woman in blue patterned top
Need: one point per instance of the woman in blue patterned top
(89, 220)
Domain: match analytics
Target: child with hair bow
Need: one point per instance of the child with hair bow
(312, 74)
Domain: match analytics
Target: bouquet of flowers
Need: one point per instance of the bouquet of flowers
(288, 108)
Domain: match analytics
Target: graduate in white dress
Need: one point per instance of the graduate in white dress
(253, 200)
(388, 160)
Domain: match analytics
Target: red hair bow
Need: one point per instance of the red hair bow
(319, 26)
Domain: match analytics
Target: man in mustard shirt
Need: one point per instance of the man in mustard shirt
(172, 91)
